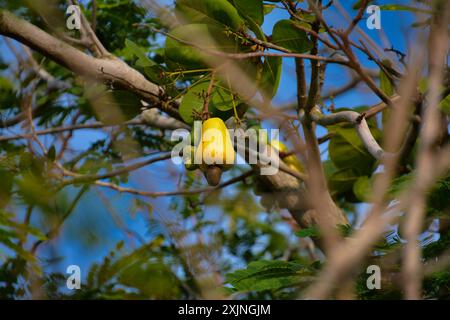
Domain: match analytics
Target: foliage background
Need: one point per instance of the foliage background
(168, 247)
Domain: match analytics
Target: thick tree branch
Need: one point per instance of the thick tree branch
(359, 123)
(109, 70)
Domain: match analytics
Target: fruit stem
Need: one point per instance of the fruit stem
(233, 101)
(206, 115)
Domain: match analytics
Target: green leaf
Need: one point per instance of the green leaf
(312, 232)
(385, 82)
(286, 35)
(444, 105)
(135, 50)
(269, 275)
(268, 8)
(344, 230)
(219, 12)
(362, 188)
(51, 154)
(222, 99)
(192, 102)
(130, 104)
(399, 7)
(329, 167)
(438, 202)
(250, 9)
(346, 149)
(400, 183)
(256, 28)
(183, 54)
(157, 74)
(179, 52)
(437, 198)
(342, 180)
(6, 185)
(271, 75)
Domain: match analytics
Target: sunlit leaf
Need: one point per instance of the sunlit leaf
(286, 35)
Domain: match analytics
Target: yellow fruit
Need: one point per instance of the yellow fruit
(215, 146)
(291, 160)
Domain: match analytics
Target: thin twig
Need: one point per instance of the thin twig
(175, 193)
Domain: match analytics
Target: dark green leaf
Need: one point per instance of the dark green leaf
(346, 149)
(444, 105)
(142, 58)
(51, 154)
(286, 35)
(362, 188)
(192, 102)
(250, 9)
(385, 83)
(312, 232)
(219, 12)
(399, 7)
(182, 49)
(271, 75)
(342, 180)
(268, 275)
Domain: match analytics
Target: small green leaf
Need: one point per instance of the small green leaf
(193, 100)
(130, 104)
(286, 35)
(268, 8)
(399, 7)
(182, 48)
(312, 232)
(257, 29)
(400, 183)
(271, 75)
(182, 54)
(346, 148)
(362, 188)
(135, 50)
(218, 12)
(250, 9)
(385, 83)
(51, 154)
(269, 275)
(157, 74)
(342, 180)
(444, 105)
(344, 230)
(222, 99)
(6, 185)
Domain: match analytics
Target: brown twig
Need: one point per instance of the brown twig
(84, 178)
(178, 192)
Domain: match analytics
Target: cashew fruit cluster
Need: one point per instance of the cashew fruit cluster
(214, 152)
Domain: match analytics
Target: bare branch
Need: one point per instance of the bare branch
(110, 70)
(82, 178)
(178, 192)
(359, 123)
